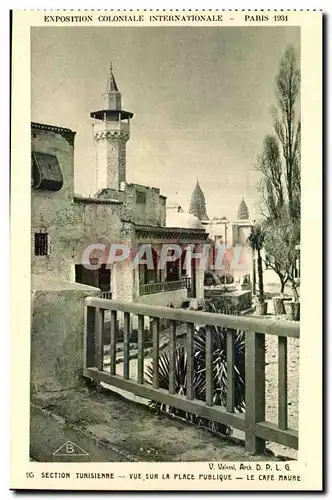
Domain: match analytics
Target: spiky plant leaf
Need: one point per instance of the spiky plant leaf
(219, 343)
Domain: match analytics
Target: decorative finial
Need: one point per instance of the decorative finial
(111, 67)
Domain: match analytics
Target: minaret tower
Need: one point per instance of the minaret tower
(111, 131)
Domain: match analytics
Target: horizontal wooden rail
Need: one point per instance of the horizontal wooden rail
(257, 430)
(216, 413)
(259, 325)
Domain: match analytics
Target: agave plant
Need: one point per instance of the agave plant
(219, 336)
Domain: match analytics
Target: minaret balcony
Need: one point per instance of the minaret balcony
(111, 128)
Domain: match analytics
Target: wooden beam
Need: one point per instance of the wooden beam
(140, 349)
(89, 358)
(260, 325)
(216, 413)
(271, 432)
(255, 390)
(113, 342)
(172, 347)
(209, 366)
(99, 338)
(282, 383)
(126, 333)
(230, 340)
(190, 359)
(155, 349)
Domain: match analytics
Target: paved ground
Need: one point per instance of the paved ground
(136, 432)
(271, 384)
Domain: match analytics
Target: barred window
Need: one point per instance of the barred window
(41, 243)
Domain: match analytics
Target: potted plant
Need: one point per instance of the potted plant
(246, 283)
(255, 241)
(292, 308)
(279, 304)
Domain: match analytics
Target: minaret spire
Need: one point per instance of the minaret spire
(197, 205)
(111, 131)
(242, 211)
(112, 94)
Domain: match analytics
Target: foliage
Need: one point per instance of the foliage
(210, 278)
(226, 279)
(219, 336)
(288, 128)
(271, 186)
(256, 243)
(147, 335)
(246, 279)
(281, 239)
(280, 166)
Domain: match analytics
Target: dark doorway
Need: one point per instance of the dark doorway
(100, 278)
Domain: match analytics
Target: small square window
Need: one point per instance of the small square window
(140, 197)
(41, 243)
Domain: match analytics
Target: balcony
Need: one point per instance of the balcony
(120, 126)
(164, 286)
(113, 429)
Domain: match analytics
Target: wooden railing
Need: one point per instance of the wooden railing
(257, 430)
(164, 286)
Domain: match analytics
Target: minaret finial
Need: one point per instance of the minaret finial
(111, 67)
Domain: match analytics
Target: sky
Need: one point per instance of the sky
(201, 99)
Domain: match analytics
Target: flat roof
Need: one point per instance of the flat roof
(67, 133)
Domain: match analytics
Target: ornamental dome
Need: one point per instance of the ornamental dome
(197, 205)
(242, 211)
(182, 220)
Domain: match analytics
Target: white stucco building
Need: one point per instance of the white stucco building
(64, 225)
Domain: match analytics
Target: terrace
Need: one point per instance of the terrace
(90, 411)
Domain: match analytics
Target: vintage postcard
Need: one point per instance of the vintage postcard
(167, 308)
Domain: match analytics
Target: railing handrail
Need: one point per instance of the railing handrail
(258, 325)
(162, 286)
(181, 280)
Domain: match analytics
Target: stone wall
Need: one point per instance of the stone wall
(72, 223)
(241, 233)
(151, 211)
(57, 330)
(51, 211)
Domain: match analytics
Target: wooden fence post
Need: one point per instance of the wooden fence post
(89, 348)
(254, 390)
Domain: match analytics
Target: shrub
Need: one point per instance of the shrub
(219, 336)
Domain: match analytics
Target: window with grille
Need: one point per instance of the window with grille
(41, 243)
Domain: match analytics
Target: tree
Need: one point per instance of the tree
(288, 128)
(281, 157)
(279, 164)
(271, 186)
(280, 242)
(256, 242)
